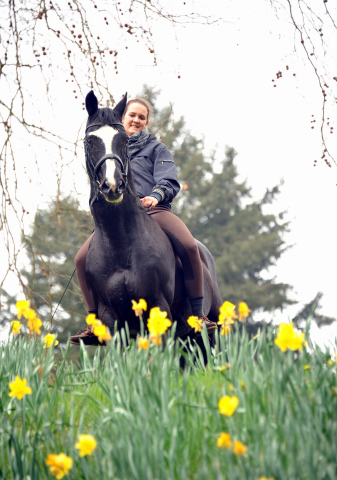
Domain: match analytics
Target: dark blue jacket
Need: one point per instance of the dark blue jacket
(155, 173)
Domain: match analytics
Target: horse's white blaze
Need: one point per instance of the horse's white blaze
(110, 174)
(106, 134)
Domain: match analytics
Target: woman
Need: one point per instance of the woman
(155, 177)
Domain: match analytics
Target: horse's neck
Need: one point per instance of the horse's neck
(121, 223)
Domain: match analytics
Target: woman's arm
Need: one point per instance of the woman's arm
(165, 175)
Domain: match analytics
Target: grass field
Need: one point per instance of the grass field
(153, 420)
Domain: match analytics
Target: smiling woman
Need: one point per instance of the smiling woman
(137, 116)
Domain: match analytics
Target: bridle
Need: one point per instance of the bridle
(94, 169)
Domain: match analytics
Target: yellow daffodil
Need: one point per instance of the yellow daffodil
(287, 337)
(156, 339)
(297, 342)
(330, 362)
(244, 311)
(34, 325)
(22, 307)
(102, 332)
(16, 327)
(139, 307)
(86, 445)
(49, 339)
(93, 321)
(224, 441)
(19, 388)
(307, 367)
(266, 478)
(157, 322)
(195, 323)
(225, 329)
(91, 318)
(227, 405)
(143, 343)
(227, 313)
(59, 465)
(239, 448)
(30, 313)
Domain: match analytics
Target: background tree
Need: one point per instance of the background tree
(218, 210)
(57, 234)
(245, 240)
(311, 310)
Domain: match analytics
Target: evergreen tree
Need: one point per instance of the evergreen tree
(311, 310)
(57, 234)
(6, 300)
(243, 239)
(218, 210)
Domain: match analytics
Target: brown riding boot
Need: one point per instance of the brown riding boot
(87, 337)
(211, 326)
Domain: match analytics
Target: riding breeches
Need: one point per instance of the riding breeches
(80, 261)
(183, 244)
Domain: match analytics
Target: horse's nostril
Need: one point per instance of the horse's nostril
(121, 186)
(106, 186)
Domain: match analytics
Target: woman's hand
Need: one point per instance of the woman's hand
(149, 202)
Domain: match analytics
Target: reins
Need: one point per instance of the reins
(51, 320)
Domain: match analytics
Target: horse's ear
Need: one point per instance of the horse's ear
(120, 107)
(91, 103)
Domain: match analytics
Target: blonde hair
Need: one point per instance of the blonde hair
(143, 102)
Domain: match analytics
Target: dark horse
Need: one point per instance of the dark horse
(130, 257)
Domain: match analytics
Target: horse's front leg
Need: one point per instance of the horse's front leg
(107, 316)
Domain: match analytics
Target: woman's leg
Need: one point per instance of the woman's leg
(87, 293)
(186, 248)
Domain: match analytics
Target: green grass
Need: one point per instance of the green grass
(153, 420)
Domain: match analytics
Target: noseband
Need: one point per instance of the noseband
(93, 170)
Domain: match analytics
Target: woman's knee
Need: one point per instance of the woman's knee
(80, 258)
(191, 248)
(81, 255)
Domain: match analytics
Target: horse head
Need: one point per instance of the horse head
(106, 149)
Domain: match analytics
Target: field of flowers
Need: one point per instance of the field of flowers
(257, 409)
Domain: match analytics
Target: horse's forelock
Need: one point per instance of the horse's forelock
(104, 116)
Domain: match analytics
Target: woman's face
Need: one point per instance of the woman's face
(135, 118)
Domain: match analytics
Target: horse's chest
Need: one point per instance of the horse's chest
(125, 273)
